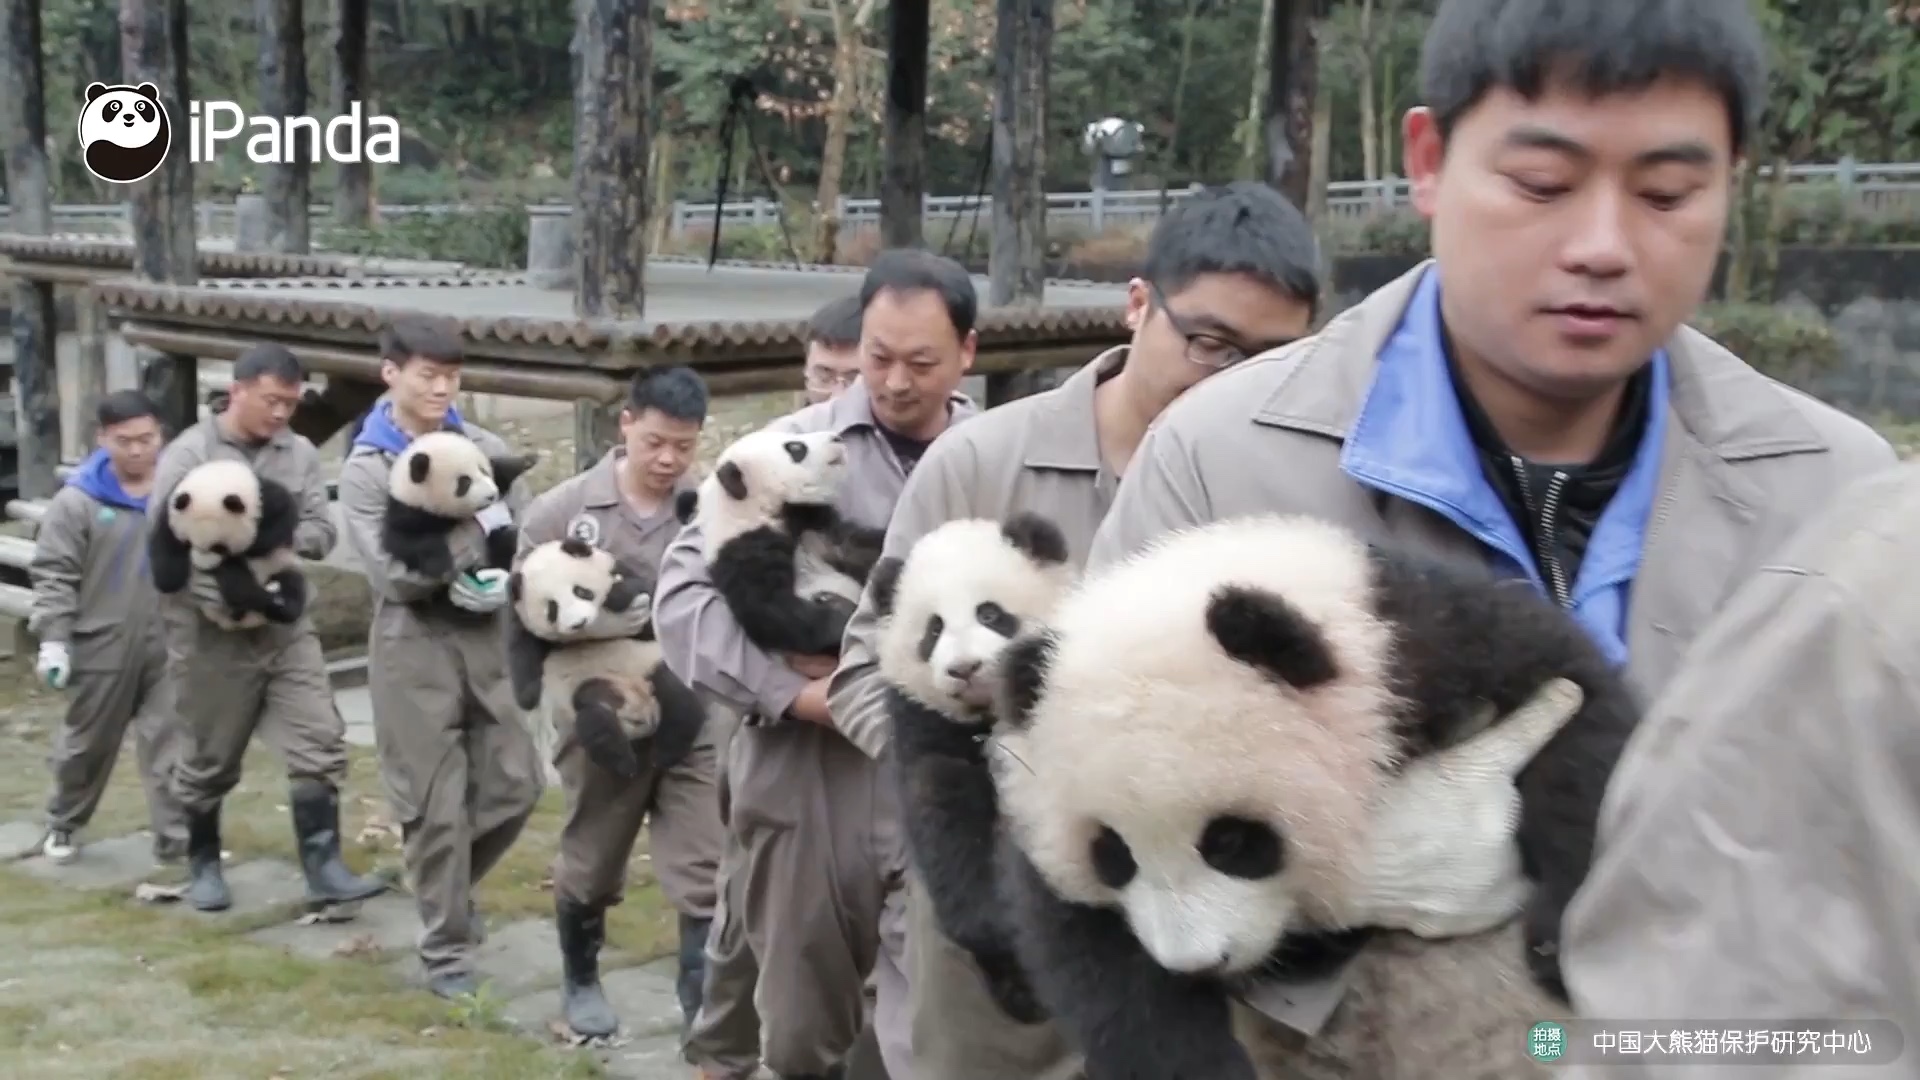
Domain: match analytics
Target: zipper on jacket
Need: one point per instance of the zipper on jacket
(1543, 546)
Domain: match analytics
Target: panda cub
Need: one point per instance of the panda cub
(945, 613)
(225, 518)
(440, 480)
(1192, 750)
(790, 568)
(628, 711)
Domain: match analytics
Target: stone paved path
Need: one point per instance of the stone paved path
(521, 959)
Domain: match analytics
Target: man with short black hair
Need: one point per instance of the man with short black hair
(455, 757)
(819, 825)
(833, 349)
(94, 610)
(625, 505)
(1229, 272)
(230, 683)
(1530, 399)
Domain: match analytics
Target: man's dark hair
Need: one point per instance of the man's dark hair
(677, 391)
(410, 337)
(837, 324)
(1603, 46)
(1239, 228)
(915, 270)
(274, 361)
(122, 406)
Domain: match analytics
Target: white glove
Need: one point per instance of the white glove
(481, 592)
(54, 665)
(1444, 859)
(494, 518)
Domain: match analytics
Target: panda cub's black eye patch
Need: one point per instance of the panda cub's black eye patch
(935, 627)
(1112, 859)
(462, 486)
(997, 619)
(1241, 848)
(583, 592)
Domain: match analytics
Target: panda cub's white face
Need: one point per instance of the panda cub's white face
(444, 473)
(215, 508)
(561, 586)
(964, 592)
(1199, 737)
(763, 471)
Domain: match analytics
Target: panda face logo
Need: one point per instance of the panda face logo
(124, 132)
(584, 528)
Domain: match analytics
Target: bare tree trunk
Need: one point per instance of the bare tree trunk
(903, 169)
(664, 146)
(153, 48)
(23, 128)
(283, 93)
(1739, 287)
(612, 91)
(1369, 115)
(1320, 166)
(1263, 61)
(353, 189)
(848, 32)
(1389, 135)
(1776, 208)
(1016, 263)
(1296, 54)
(1179, 100)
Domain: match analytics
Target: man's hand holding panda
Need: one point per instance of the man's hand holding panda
(479, 591)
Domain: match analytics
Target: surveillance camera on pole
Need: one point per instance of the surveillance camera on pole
(1113, 143)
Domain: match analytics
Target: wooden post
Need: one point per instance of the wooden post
(1016, 264)
(903, 179)
(1296, 51)
(283, 92)
(613, 87)
(153, 48)
(353, 190)
(23, 127)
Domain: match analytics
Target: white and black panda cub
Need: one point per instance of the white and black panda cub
(626, 709)
(790, 568)
(440, 480)
(1193, 746)
(963, 593)
(225, 518)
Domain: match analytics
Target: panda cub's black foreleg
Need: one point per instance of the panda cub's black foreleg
(418, 541)
(168, 557)
(682, 716)
(290, 595)
(241, 592)
(1131, 1018)
(952, 816)
(526, 657)
(597, 728)
(502, 543)
(755, 575)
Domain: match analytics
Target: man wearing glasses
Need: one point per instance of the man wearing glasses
(833, 349)
(96, 613)
(1229, 272)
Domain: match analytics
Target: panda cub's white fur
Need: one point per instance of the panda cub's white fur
(1196, 742)
(224, 519)
(790, 568)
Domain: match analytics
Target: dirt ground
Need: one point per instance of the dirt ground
(95, 985)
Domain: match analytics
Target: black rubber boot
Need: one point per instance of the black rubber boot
(693, 968)
(206, 886)
(316, 825)
(583, 930)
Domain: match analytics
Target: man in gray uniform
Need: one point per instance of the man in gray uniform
(94, 611)
(1530, 398)
(825, 860)
(1229, 272)
(455, 756)
(625, 505)
(231, 682)
(833, 350)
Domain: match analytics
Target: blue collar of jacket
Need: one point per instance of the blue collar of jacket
(381, 433)
(1410, 440)
(96, 477)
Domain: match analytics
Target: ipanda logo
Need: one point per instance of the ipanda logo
(125, 134)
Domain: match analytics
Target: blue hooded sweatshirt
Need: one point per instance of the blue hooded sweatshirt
(380, 432)
(95, 477)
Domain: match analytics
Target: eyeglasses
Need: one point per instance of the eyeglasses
(820, 378)
(1206, 350)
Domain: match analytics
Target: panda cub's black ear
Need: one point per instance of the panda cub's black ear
(884, 582)
(685, 505)
(577, 547)
(732, 480)
(1039, 538)
(1023, 675)
(1262, 630)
